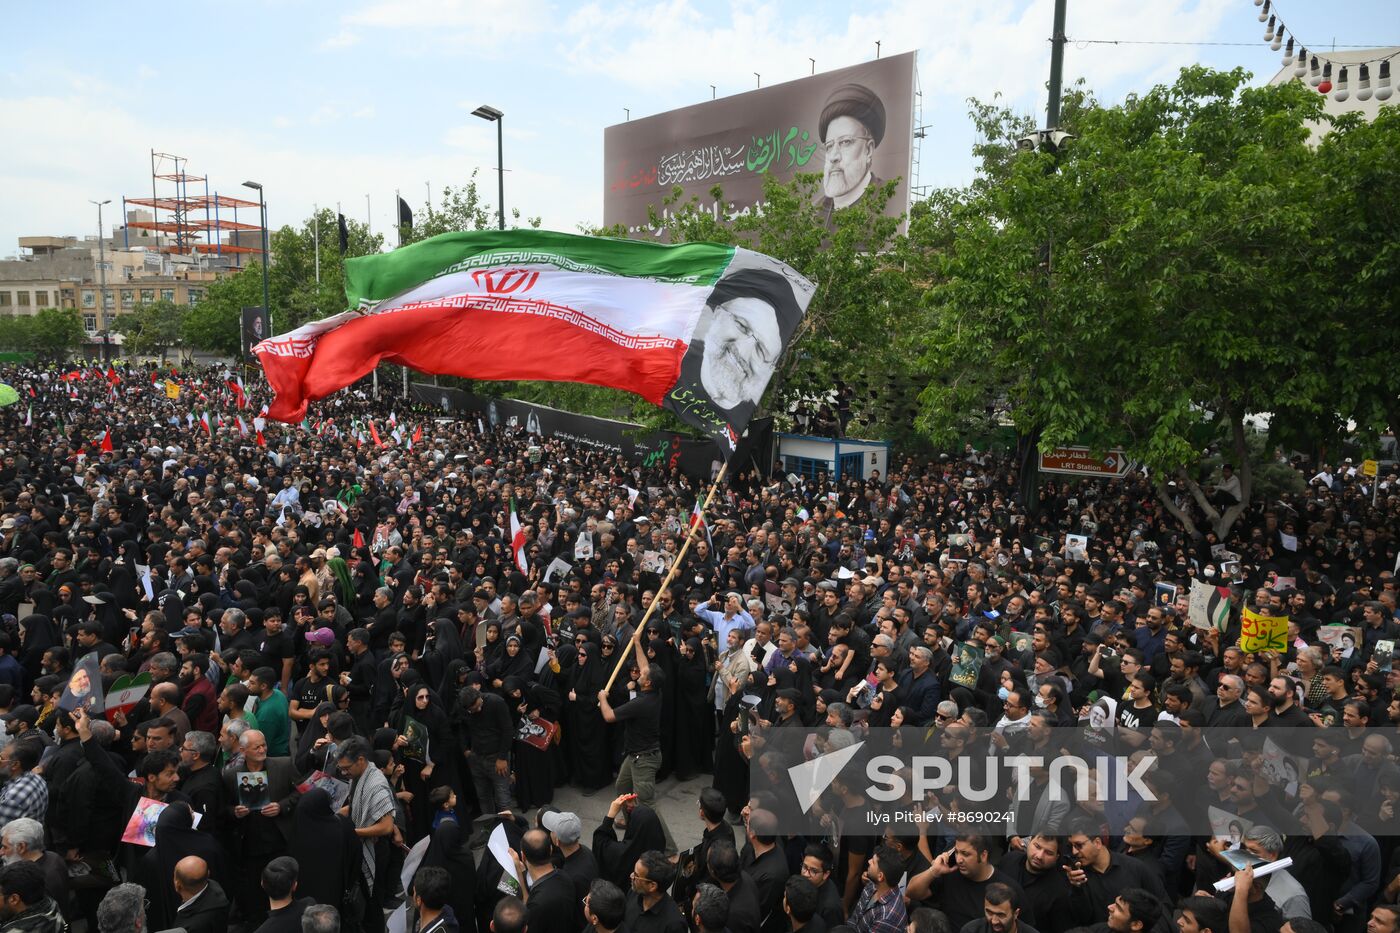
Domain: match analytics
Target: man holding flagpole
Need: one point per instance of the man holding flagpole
(641, 743)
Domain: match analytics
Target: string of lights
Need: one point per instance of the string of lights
(1316, 67)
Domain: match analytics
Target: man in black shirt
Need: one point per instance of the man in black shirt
(277, 648)
(550, 903)
(1100, 875)
(816, 868)
(1036, 868)
(487, 748)
(641, 744)
(310, 692)
(768, 868)
(573, 859)
(284, 908)
(722, 869)
(694, 864)
(649, 908)
(958, 880)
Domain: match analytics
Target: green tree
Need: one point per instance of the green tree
(1147, 287)
(296, 297)
(152, 328)
(1361, 247)
(462, 208)
(17, 332)
(213, 325)
(56, 332)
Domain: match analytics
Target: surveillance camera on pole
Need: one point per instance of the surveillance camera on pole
(1045, 140)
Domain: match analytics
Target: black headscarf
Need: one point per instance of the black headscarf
(176, 838)
(325, 846)
(617, 857)
(449, 849)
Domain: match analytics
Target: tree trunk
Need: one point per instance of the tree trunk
(1029, 462)
(1177, 512)
(1222, 522)
(1232, 514)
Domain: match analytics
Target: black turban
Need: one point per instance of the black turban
(858, 101)
(765, 285)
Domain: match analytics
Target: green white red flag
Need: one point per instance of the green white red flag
(698, 328)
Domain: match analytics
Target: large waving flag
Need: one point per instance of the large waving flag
(698, 328)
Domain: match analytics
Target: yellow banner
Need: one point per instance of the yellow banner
(171, 389)
(1263, 633)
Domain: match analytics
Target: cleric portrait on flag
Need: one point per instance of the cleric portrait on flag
(738, 340)
(698, 328)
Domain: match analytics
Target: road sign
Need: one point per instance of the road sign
(1080, 461)
(1368, 468)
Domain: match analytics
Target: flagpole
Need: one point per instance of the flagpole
(670, 575)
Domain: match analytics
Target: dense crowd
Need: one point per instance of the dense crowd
(333, 670)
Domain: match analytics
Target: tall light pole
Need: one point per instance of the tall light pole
(262, 213)
(102, 266)
(487, 112)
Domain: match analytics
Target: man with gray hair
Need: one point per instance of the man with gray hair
(320, 918)
(123, 910)
(22, 840)
(201, 783)
(230, 743)
(11, 589)
(1282, 888)
(918, 687)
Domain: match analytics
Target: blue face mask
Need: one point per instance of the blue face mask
(1003, 693)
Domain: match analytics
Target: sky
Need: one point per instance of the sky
(327, 103)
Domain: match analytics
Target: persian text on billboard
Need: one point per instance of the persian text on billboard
(853, 126)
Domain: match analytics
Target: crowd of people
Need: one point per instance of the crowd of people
(338, 658)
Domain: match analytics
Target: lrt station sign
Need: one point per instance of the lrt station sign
(1080, 461)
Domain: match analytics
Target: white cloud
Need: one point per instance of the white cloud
(50, 187)
(483, 25)
(965, 49)
(341, 40)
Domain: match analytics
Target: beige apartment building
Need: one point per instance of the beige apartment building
(62, 272)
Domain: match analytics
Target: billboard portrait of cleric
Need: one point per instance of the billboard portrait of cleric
(748, 319)
(851, 127)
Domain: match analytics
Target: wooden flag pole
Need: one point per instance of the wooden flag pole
(670, 575)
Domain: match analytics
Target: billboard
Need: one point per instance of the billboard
(854, 126)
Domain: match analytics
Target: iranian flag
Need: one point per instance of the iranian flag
(517, 539)
(697, 328)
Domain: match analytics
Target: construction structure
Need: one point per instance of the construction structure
(171, 247)
(187, 218)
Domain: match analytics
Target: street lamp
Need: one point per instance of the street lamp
(102, 268)
(490, 113)
(262, 212)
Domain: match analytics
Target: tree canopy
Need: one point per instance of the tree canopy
(1146, 287)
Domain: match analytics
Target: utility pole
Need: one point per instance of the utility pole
(1057, 66)
(102, 274)
(1030, 443)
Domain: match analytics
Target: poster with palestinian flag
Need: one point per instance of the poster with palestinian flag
(1209, 607)
(698, 328)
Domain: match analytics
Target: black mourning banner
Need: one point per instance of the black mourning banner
(344, 234)
(664, 449)
(405, 216)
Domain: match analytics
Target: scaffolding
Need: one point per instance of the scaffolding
(190, 223)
